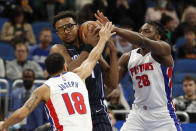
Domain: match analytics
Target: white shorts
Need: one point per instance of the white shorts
(141, 118)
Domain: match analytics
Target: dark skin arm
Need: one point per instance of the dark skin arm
(110, 72)
(123, 63)
(160, 50)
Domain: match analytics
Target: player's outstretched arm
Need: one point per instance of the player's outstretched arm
(159, 49)
(110, 72)
(87, 66)
(36, 97)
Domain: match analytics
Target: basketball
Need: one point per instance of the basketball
(84, 28)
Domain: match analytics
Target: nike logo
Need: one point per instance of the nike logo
(99, 110)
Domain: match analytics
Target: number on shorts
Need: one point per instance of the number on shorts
(143, 81)
(78, 100)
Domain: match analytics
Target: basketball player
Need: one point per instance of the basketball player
(150, 67)
(64, 94)
(67, 29)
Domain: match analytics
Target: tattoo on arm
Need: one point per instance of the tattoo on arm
(31, 102)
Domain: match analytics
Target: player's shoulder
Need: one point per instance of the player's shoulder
(166, 44)
(72, 74)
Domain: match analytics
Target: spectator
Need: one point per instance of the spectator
(188, 101)
(27, 9)
(87, 12)
(81, 3)
(169, 24)
(138, 9)
(45, 10)
(2, 68)
(19, 97)
(112, 120)
(188, 50)
(40, 52)
(15, 67)
(16, 29)
(161, 7)
(118, 9)
(180, 5)
(188, 20)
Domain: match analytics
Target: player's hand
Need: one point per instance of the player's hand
(105, 32)
(93, 35)
(101, 18)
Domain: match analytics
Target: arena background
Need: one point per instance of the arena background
(129, 14)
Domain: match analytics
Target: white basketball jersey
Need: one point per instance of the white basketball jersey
(151, 81)
(68, 107)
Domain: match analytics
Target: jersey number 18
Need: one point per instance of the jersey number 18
(78, 105)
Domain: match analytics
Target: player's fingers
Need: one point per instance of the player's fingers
(96, 16)
(99, 18)
(100, 14)
(113, 33)
(102, 28)
(104, 18)
(110, 26)
(99, 23)
(107, 25)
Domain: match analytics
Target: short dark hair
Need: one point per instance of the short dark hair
(165, 19)
(21, 43)
(54, 63)
(160, 29)
(45, 29)
(189, 78)
(30, 71)
(64, 14)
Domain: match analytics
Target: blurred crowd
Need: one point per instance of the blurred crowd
(32, 47)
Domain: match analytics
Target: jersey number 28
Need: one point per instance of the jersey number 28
(143, 81)
(78, 105)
